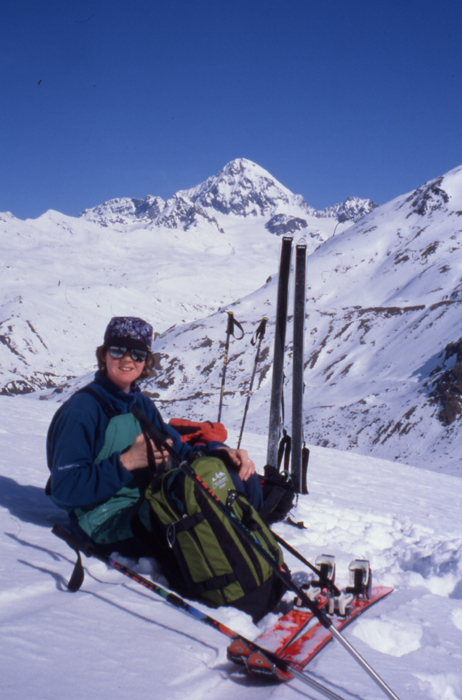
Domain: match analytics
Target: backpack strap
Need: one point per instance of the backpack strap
(109, 410)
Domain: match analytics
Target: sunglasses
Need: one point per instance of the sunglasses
(137, 355)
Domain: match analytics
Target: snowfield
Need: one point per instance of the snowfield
(114, 639)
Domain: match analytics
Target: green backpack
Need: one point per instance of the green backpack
(203, 556)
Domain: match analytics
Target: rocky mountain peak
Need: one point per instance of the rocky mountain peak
(124, 210)
(243, 188)
(428, 198)
(352, 209)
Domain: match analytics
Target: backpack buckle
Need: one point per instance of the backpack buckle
(232, 495)
(171, 531)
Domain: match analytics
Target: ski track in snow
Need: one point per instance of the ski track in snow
(120, 641)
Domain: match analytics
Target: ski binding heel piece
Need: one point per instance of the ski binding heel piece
(340, 605)
(360, 578)
(326, 566)
(312, 593)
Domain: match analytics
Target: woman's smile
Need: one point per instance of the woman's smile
(123, 371)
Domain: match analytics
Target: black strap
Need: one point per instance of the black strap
(138, 528)
(78, 574)
(109, 410)
(187, 522)
(274, 498)
(213, 583)
(231, 324)
(305, 459)
(150, 453)
(77, 545)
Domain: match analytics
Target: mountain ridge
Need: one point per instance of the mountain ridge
(242, 188)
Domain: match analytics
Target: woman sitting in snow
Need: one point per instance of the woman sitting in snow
(98, 455)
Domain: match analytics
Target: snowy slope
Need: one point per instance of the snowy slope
(382, 352)
(176, 261)
(115, 640)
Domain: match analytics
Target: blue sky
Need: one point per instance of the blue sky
(124, 98)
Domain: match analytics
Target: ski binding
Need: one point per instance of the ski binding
(326, 566)
(360, 579)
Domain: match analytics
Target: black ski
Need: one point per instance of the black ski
(299, 455)
(274, 429)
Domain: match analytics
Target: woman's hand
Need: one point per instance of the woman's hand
(136, 457)
(241, 461)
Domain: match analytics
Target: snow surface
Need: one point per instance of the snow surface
(115, 640)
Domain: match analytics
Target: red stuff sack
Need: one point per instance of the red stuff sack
(196, 433)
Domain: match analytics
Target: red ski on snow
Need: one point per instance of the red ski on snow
(300, 652)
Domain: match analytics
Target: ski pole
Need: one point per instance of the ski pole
(161, 442)
(176, 601)
(258, 335)
(229, 332)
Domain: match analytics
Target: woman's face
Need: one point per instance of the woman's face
(124, 371)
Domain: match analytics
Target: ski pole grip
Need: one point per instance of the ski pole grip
(260, 332)
(73, 542)
(230, 326)
(262, 327)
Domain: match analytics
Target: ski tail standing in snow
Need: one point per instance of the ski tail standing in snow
(278, 486)
(300, 453)
(287, 457)
(99, 457)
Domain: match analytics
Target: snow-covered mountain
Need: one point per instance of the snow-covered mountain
(125, 211)
(175, 261)
(382, 352)
(242, 189)
(353, 209)
(245, 189)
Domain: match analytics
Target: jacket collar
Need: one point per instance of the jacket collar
(102, 380)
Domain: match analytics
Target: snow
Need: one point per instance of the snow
(117, 640)
(382, 307)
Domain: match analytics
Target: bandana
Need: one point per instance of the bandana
(129, 332)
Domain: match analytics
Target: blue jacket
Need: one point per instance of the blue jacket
(78, 437)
